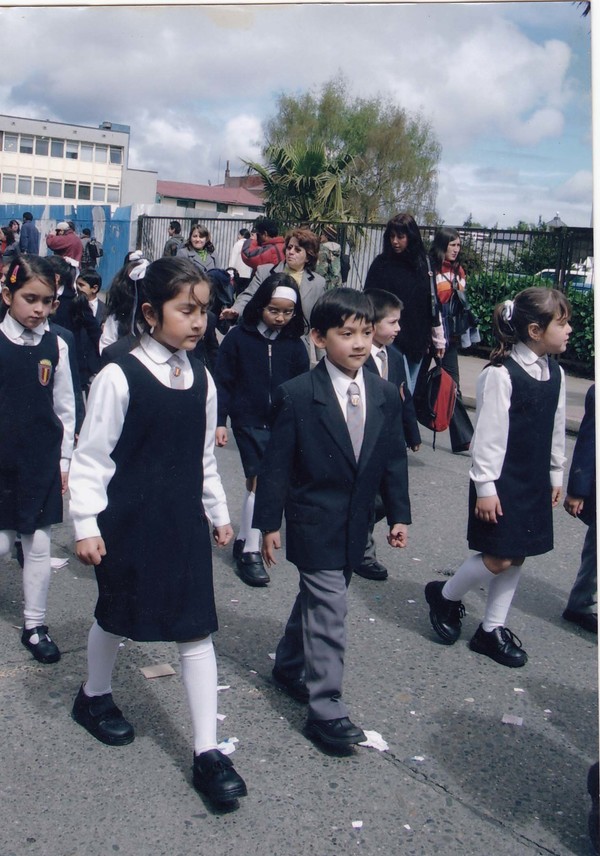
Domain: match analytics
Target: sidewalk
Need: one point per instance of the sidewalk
(577, 387)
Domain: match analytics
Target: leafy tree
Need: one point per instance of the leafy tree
(392, 156)
(303, 184)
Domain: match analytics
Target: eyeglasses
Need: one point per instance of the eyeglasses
(287, 313)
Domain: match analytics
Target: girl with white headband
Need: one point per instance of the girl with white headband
(144, 492)
(256, 356)
(516, 475)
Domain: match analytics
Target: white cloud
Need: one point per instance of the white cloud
(195, 83)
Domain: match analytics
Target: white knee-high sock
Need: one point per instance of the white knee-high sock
(199, 675)
(251, 536)
(36, 576)
(471, 573)
(501, 591)
(246, 517)
(102, 653)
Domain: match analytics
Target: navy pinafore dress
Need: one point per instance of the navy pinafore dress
(524, 487)
(30, 436)
(155, 582)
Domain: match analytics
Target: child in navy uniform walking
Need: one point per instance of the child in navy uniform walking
(37, 425)
(254, 358)
(388, 363)
(144, 482)
(337, 437)
(516, 477)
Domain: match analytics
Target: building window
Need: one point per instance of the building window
(42, 145)
(24, 185)
(98, 193)
(255, 208)
(69, 191)
(55, 188)
(9, 183)
(112, 194)
(10, 142)
(72, 151)
(222, 207)
(185, 203)
(100, 153)
(84, 190)
(40, 187)
(116, 155)
(26, 145)
(57, 148)
(86, 152)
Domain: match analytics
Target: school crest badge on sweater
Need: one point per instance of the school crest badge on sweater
(44, 372)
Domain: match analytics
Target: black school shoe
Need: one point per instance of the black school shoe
(238, 548)
(251, 570)
(372, 571)
(586, 620)
(500, 644)
(44, 650)
(335, 732)
(445, 615)
(102, 718)
(214, 776)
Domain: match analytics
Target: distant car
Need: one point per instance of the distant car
(579, 278)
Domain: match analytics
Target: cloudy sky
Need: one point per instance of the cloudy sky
(505, 86)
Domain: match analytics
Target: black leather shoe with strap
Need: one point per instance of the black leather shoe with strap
(44, 650)
(215, 777)
(102, 718)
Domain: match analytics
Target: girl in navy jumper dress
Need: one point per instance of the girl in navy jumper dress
(144, 482)
(37, 424)
(516, 477)
(265, 350)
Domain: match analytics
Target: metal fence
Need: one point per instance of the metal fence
(497, 251)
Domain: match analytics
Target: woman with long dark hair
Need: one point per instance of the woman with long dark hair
(402, 269)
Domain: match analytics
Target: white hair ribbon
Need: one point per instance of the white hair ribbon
(507, 310)
(135, 255)
(139, 271)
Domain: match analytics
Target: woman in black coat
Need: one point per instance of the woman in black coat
(402, 269)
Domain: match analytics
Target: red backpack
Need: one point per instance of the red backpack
(434, 399)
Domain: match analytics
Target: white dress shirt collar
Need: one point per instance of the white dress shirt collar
(13, 330)
(341, 381)
(157, 352)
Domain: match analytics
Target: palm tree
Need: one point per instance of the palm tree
(302, 184)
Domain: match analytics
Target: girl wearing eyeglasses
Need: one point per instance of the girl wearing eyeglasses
(254, 358)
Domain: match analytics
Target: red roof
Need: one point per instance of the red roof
(206, 193)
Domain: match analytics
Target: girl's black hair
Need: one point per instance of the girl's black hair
(443, 236)
(65, 271)
(165, 279)
(24, 268)
(121, 299)
(333, 309)
(9, 235)
(67, 275)
(405, 224)
(536, 305)
(261, 298)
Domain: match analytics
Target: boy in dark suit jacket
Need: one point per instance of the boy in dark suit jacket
(388, 363)
(336, 437)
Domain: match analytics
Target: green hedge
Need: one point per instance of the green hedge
(486, 291)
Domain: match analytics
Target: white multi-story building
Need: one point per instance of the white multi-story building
(44, 162)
